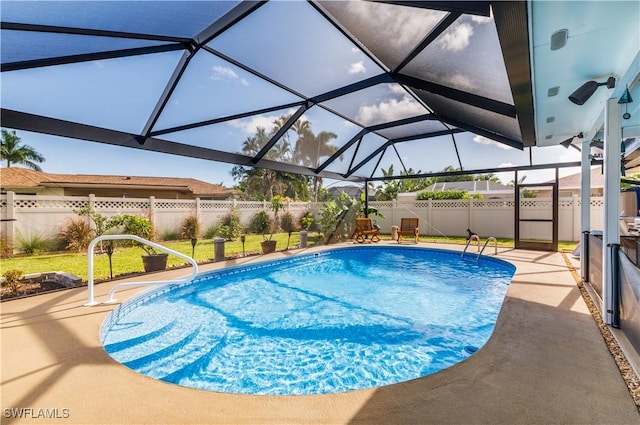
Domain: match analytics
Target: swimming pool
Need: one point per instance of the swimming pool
(337, 320)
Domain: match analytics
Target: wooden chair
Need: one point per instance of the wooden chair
(409, 227)
(364, 229)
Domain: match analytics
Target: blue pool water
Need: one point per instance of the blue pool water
(340, 320)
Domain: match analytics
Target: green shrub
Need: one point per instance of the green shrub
(261, 223)
(138, 225)
(211, 232)
(12, 279)
(288, 224)
(442, 194)
(337, 218)
(34, 243)
(190, 227)
(306, 221)
(170, 235)
(76, 235)
(229, 226)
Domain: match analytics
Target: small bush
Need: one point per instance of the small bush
(34, 244)
(170, 235)
(306, 221)
(261, 223)
(190, 227)
(230, 227)
(288, 222)
(12, 279)
(138, 225)
(76, 235)
(6, 250)
(446, 194)
(211, 232)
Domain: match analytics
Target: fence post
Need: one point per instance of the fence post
(429, 218)
(575, 203)
(152, 211)
(92, 205)
(394, 211)
(470, 215)
(198, 208)
(10, 220)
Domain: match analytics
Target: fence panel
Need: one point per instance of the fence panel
(26, 216)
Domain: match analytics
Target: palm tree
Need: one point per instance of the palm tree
(14, 153)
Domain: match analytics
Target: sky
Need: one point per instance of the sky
(121, 93)
(71, 156)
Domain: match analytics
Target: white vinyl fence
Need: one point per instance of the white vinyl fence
(26, 216)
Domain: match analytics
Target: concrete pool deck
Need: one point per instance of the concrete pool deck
(546, 362)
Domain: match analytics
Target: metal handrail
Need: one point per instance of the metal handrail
(477, 238)
(489, 239)
(92, 302)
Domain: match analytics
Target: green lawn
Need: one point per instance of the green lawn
(128, 260)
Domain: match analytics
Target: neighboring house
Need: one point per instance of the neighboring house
(28, 182)
(570, 185)
(352, 191)
(488, 189)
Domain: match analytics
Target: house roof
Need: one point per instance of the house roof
(481, 186)
(16, 177)
(573, 181)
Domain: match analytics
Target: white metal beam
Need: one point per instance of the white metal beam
(611, 228)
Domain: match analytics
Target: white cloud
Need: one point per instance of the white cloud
(250, 126)
(482, 19)
(357, 68)
(486, 141)
(388, 111)
(457, 38)
(225, 73)
(507, 176)
(460, 81)
(397, 89)
(404, 23)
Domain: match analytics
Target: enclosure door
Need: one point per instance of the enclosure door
(536, 220)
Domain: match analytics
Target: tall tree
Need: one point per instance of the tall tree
(15, 153)
(299, 145)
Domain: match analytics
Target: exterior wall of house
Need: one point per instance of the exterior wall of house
(44, 191)
(25, 216)
(127, 193)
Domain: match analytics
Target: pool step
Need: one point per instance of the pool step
(183, 345)
(195, 366)
(114, 347)
(172, 363)
(135, 329)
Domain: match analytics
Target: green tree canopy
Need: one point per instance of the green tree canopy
(14, 153)
(299, 145)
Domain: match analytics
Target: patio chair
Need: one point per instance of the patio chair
(409, 227)
(365, 229)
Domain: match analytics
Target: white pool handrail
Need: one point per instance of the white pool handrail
(92, 302)
(473, 237)
(489, 239)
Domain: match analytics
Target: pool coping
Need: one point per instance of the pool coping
(546, 362)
